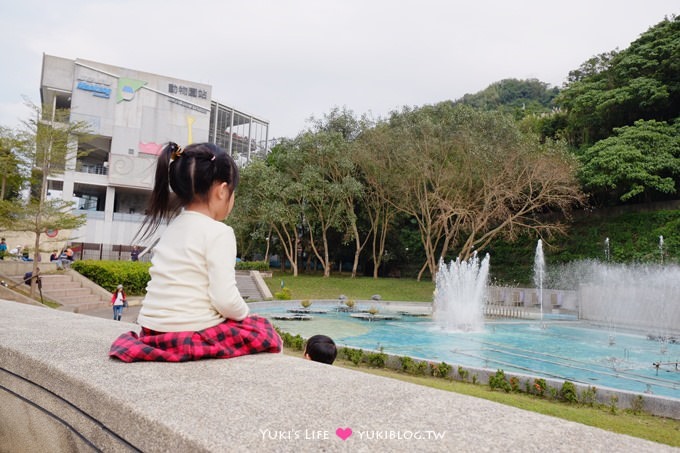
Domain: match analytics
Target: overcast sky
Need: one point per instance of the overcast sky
(285, 61)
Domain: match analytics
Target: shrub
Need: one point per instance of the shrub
(305, 303)
(284, 294)
(350, 303)
(261, 266)
(442, 370)
(637, 405)
(420, 368)
(406, 363)
(356, 356)
(133, 275)
(568, 392)
(540, 386)
(498, 381)
(613, 404)
(412, 367)
(353, 355)
(463, 373)
(376, 359)
(291, 341)
(588, 396)
(514, 384)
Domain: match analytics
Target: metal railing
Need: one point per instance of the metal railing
(108, 252)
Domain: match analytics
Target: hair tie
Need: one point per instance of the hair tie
(212, 158)
(176, 152)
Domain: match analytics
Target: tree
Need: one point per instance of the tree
(369, 151)
(422, 168)
(268, 196)
(529, 187)
(323, 161)
(635, 162)
(339, 168)
(46, 143)
(10, 165)
(468, 177)
(516, 97)
(248, 227)
(616, 89)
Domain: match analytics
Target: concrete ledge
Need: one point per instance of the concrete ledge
(15, 267)
(261, 285)
(59, 391)
(9, 294)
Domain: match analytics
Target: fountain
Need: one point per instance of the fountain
(460, 293)
(642, 297)
(607, 253)
(661, 248)
(590, 300)
(539, 275)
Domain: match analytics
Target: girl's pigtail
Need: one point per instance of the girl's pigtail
(163, 205)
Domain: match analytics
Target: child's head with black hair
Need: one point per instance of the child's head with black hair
(185, 176)
(321, 348)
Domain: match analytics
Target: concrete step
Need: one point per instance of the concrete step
(248, 287)
(64, 289)
(81, 301)
(57, 277)
(84, 307)
(60, 285)
(67, 292)
(53, 281)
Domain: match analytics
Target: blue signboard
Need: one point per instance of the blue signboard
(97, 90)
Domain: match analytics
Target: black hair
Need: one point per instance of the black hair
(321, 348)
(190, 173)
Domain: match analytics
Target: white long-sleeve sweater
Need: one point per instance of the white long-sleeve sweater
(193, 280)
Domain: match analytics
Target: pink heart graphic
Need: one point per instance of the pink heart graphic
(343, 433)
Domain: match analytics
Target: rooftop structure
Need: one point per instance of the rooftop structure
(132, 114)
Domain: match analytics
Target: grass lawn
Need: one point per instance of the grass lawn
(316, 287)
(644, 426)
(657, 429)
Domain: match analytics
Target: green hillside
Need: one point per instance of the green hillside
(633, 237)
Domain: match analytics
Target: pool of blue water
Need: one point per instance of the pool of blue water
(563, 348)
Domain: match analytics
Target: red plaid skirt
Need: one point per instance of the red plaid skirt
(229, 339)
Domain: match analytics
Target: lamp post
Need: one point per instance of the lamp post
(266, 253)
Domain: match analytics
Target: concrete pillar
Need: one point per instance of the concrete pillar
(108, 212)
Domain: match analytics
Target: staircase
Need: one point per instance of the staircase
(247, 286)
(77, 294)
(68, 289)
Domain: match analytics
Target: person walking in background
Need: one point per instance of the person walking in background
(134, 254)
(3, 248)
(118, 301)
(192, 308)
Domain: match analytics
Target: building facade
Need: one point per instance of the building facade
(131, 115)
